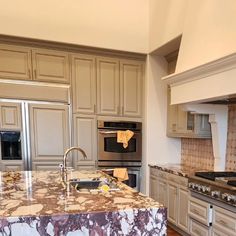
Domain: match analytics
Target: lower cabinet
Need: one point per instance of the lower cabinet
(49, 134)
(46, 165)
(171, 191)
(85, 137)
(12, 165)
(198, 229)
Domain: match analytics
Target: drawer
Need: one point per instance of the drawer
(224, 220)
(153, 171)
(200, 211)
(218, 232)
(178, 179)
(162, 174)
(198, 229)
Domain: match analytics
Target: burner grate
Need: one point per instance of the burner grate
(212, 175)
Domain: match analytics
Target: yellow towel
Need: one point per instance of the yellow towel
(124, 137)
(121, 174)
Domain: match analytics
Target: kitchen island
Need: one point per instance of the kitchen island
(36, 203)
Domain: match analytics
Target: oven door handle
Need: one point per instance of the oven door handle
(108, 132)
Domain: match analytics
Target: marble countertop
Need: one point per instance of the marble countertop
(177, 169)
(38, 200)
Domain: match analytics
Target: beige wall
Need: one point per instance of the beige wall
(158, 148)
(166, 20)
(121, 25)
(209, 32)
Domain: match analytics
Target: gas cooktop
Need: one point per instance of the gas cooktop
(219, 185)
(227, 177)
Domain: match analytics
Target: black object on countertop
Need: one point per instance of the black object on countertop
(231, 183)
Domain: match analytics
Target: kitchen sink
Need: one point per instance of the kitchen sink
(93, 185)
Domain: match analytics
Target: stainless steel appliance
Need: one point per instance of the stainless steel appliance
(216, 187)
(110, 150)
(112, 154)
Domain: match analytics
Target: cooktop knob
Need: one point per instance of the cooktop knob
(228, 197)
(206, 189)
(215, 194)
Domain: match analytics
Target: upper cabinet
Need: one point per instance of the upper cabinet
(182, 123)
(50, 66)
(22, 63)
(15, 62)
(131, 80)
(10, 116)
(119, 87)
(108, 86)
(83, 84)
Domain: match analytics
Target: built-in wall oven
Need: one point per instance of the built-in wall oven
(112, 154)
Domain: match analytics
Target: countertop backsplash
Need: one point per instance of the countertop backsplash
(197, 153)
(231, 139)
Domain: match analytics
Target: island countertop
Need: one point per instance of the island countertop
(35, 203)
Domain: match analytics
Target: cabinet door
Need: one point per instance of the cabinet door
(12, 166)
(51, 66)
(40, 166)
(153, 187)
(162, 192)
(10, 118)
(83, 84)
(131, 80)
(49, 131)
(108, 86)
(183, 218)
(172, 203)
(85, 138)
(15, 62)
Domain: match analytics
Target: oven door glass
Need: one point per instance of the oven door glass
(109, 149)
(111, 145)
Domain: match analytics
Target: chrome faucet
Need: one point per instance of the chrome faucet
(64, 165)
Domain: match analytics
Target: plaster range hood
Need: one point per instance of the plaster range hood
(208, 89)
(213, 81)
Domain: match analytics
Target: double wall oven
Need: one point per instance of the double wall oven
(112, 154)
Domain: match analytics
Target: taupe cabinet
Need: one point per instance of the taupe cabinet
(24, 63)
(171, 191)
(119, 87)
(10, 119)
(85, 137)
(84, 84)
(49, 135)
(184, 124)
(10, 116)
(107, 86)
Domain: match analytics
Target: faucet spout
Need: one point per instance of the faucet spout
(64, 165)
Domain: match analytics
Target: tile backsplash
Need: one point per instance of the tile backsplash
(199, 152)
(231, 139)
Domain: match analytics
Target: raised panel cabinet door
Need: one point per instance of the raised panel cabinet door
(153, 187)
(85, 137)
(15, 62)
(183, 218)
(10, 118)
(83, 84)
(162, 192)
(49, 131)
(50, 66)
(43, 166)
(108, 86)
(172, 203)
(131, 75)
(12, 166)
